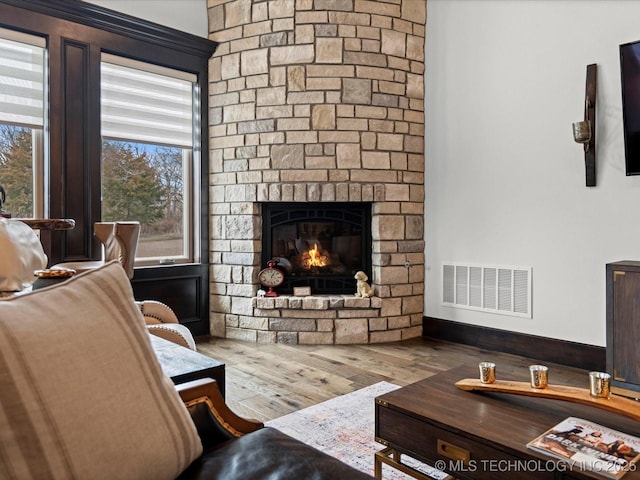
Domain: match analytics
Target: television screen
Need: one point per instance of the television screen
(630, 74)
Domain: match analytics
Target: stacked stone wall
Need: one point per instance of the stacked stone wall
(317, 100)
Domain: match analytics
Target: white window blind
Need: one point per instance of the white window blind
(145, 103)
(21, 79)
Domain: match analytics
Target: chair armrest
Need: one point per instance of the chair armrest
(219, 422)
(163, 322)
(174, 332)
(155, 312)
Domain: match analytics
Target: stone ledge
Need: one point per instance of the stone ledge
(315, 302)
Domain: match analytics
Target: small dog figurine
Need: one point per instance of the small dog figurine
(362, 287)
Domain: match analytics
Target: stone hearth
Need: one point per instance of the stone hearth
(317, 101)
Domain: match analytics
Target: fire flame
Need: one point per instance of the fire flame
(315, 258)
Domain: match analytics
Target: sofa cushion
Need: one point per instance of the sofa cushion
(268, 453)
(81, 392)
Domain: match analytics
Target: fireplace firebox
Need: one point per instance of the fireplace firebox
(318, 245)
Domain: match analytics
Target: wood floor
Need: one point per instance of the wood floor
(266, 381)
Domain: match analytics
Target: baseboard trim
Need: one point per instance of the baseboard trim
(573, 354)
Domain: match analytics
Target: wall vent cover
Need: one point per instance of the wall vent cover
(504, 290)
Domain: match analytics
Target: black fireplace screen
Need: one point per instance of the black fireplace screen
(320, 245)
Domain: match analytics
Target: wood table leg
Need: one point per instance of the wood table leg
(391, 457)
(377, 467)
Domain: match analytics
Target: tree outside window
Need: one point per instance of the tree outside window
(16, 169)
(144, 183)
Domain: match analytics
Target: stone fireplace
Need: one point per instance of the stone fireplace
(317, 104)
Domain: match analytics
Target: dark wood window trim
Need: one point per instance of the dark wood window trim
(119, 23)
(77, 33)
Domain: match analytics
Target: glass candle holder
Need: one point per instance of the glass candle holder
(487, 372)
(599, 384)
(539, 376)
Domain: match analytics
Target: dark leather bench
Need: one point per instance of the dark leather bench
(239, 449)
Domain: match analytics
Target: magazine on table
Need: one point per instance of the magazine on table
(586, 445)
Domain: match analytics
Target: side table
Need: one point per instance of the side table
(183, 365)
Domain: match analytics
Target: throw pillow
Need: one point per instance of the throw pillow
(81, 392)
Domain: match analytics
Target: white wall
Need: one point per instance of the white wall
(187, 15)
(505, 182)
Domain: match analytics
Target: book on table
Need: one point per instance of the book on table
(586, 445)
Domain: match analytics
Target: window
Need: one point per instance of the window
(22, 117)
(79, 35)
(147, 174)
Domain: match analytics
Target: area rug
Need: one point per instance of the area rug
(344, 428)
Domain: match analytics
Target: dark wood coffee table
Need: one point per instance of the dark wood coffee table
(479, 435)
(183, 365)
